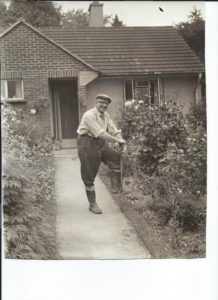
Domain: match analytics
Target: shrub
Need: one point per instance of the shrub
(148, 130)
(167, 155)
(28, 187)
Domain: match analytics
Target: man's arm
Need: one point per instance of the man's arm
(114, 132)
(112, 129)
(98, 132)
(108, 137)
(118, 135)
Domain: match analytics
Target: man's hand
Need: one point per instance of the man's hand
(122, 144)
(123, 149)
(122, 141)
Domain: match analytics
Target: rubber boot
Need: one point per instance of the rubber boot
(115, 181)
(93, 207)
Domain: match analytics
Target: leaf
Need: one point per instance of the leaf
(162, 160)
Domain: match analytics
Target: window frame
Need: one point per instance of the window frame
(6, 98)
(149, 82)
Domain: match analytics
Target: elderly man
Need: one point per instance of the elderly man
(95, 129)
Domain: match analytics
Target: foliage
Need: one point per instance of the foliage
(199, 112)
(77, 18)
(36, 13)
(166, 160)
(3, 15)
(45, 13)
(28, 187)
(193, 32)
(148, 130)
(116, 22)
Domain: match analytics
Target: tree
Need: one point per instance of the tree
(45, 13)
(116, 22)
(36, 13)
(193, 32)
(77, 18)
(3, 15)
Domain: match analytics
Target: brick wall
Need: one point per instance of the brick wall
(36, 58)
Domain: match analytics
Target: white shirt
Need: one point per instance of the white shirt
(94, 123)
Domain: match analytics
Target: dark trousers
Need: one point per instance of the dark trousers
(93, 151)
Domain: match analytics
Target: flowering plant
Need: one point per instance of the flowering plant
(166, 155)
(28, 189)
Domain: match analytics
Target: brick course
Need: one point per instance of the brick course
(27, 52)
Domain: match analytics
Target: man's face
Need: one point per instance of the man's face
(102, 105)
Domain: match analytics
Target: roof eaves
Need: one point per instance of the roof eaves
(48, 39)
(141, 73)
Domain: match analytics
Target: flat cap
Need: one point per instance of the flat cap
(104, 97)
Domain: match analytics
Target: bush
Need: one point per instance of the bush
(148, 130)
(167, 155)
(28, 190)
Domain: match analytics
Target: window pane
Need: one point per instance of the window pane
(3, 91)
(146, 90)
(141, 93)
(141, 83)
(142, 90)
(128, 89)
(14, 89)
(19, 89)
(11, 89)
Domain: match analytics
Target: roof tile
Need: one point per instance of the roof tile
(129, 50)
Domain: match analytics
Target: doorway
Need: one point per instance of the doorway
(65, 111)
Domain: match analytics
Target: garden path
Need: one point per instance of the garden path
(82, 234)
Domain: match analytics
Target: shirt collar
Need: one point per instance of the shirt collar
(98, 112)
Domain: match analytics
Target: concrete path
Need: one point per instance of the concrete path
(82, 234)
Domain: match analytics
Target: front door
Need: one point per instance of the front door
(65, 112)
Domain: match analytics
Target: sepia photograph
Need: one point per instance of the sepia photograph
(104, 130)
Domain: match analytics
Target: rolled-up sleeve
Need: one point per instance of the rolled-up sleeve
(112, 129)
(91, 123)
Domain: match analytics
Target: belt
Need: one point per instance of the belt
(86, 135)
(96, 139)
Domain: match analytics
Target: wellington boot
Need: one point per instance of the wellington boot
(93, 207)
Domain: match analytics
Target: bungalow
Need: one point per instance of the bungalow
(55, 73)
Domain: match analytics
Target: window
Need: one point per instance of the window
(146, 90)
(12, 89)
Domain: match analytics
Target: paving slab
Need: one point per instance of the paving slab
(82, 234)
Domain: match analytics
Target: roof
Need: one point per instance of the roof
(22, 21)
(129, 50)
(120, 51)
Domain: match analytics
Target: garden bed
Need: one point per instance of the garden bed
(29, 207)
(157, 239)
(165, 175)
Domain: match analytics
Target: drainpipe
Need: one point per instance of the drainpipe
(133, 91)
(198, 89)
(158, 90)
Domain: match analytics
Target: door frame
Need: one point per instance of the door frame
(59, 142)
